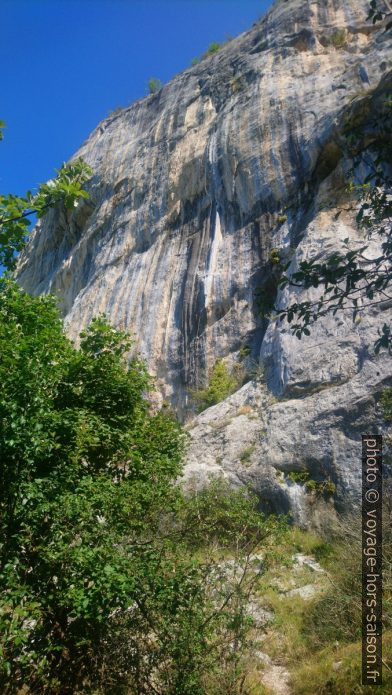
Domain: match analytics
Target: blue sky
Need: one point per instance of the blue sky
(67, 63)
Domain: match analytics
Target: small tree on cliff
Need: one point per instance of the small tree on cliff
(154, 85)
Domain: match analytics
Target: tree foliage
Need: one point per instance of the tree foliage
(378, 13)
(66, 188)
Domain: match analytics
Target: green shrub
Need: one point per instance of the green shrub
(274, 257)
(386, 404)
(319, 487)
(300, 477)
(84, 470)
(215, 514)
(221, 384)
(213, 48)
(246, 454)
(154, 85)
(338, 39)
(244, 352)
(326, 487)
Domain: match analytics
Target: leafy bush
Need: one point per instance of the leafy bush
(154, 85)
(215, 514)
(214, 47)
(386, 404)
(338, 39)
(83, 471)
(319, 487)
(221, 384)
(246, 455)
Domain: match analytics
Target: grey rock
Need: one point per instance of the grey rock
(306, 592)
(277, 679)
(336, 665)
(263, 657)
(261, 616)
(301, 560)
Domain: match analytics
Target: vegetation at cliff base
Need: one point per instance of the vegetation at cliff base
(102, 580)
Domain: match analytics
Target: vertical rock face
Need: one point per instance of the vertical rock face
(193, 187)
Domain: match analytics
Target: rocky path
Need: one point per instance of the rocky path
(305, 580)
(275, 677)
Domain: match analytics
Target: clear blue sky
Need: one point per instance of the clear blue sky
(67, 63)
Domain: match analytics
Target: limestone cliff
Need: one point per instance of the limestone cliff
(192, 188)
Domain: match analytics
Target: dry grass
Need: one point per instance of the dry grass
(336, 670)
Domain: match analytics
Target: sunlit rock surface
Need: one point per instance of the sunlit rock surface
(192, 188)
